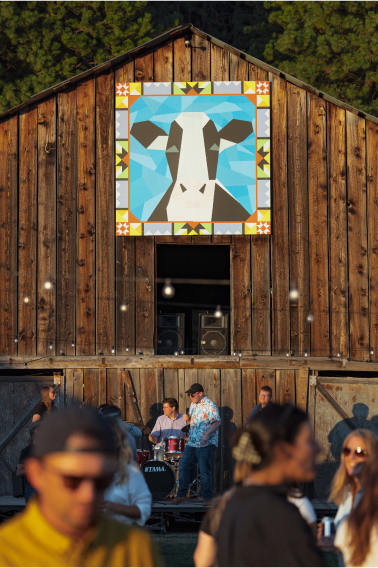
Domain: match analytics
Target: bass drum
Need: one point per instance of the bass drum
(160, 478)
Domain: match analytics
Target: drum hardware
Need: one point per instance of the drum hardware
(142, 456)
(158, 453)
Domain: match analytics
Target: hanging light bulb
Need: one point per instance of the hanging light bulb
(16, 339)
(113, 350)
(182, 352)
(100, 352)
(310, 317)
(338, 354)
(127, 349)
(176, 353)
(287, 353)
(234, 353)
(168, 291)
(48, 285)
(50, 345)
(240, 354)
(62, 353)
(305, 354)
(294, 294)
(72, 343)
(372, 351)
(26, 299)
(123, 307)
(218, 312)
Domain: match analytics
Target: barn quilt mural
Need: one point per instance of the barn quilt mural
(192, 158)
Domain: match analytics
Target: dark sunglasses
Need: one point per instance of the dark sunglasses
(73, 482)
(192, 395)
(357, 452)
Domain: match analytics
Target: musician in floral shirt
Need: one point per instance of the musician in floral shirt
(203, 439)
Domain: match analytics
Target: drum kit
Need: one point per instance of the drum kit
(161, 473)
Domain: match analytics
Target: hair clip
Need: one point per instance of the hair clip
(245, 450)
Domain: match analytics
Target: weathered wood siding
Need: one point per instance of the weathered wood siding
(57, 222)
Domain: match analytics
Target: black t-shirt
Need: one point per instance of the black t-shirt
(25, 453)
(41, 409)
(259, 527)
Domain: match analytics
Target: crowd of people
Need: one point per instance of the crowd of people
(87, 499)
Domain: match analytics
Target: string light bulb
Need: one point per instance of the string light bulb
(372, 351)
(26, 299)
(100, 352)
(182, 352)
(168, 290)
(305, 354)
(50, 345)
(287, 353)
(234, 353)
(16, 339)
(127, 349)
(48, 285)
(72, 343)
(338, 354)
(294, 294)
(123, 307)
(218, 312)
(240, 354)
(113, 350)
(310, 317)
(176, 353)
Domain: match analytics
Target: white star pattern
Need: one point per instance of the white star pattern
(122, 89)
(263, 228)
(123, 229)
(262, 88)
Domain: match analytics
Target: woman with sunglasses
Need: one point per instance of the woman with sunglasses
(127, 499)
(357, 535)
(357, 456)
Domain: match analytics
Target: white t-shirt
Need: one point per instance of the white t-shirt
(133, 492)
(305, 508)
(342, 539)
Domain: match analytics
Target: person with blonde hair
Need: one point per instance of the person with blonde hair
(357, 534)
(127, 499)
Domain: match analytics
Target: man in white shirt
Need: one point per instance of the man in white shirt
(169, 424)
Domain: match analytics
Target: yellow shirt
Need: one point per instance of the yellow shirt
(29, 540)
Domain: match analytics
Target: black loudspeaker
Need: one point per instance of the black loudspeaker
(170, 333)
(213, 335)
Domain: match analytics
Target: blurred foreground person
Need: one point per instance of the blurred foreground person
(357, 457)
(127, 499)
(74, 460)
(259, 527)
(357, 534)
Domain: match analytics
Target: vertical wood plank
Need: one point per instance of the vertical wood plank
(105, 211)
(357, 238)
(113, 393)
(298, 217)
(27, 243)
(125, 265)
(266, 377)
(144, 68)
(372, 187)
(285, 386)
(249, 397)
(210, 379)
(86, 219)
(238, 68)
(241, 294)
(231, 420)
(145, 293)
(150, 394)
(183, 398)
(69, 379)
(261, 312)
(219, 63)
(8, 235)
(91, 387)
(46, 243)
(163, 63)
(102, 387)
(302, 388)
(318, 224)
(132, 396)
(200, 58)
(78, 384)
(171, 387)
(338, 235)
(280, 230)
(182, 61)
(66, 220)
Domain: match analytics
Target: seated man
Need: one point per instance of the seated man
(74, 460)
(169, 424)
(265, 398)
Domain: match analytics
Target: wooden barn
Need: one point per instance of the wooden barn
(93, 330)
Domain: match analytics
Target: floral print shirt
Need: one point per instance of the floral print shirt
(203, 415)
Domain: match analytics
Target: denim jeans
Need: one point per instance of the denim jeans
(191, 457)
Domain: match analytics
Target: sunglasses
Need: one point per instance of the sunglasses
(357, 452)
(193, 395)
(73, 482)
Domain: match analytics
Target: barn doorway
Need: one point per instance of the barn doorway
(200, 276)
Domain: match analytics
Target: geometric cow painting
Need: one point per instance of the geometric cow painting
(193, 158)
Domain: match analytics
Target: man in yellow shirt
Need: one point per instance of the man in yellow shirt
(74, 460)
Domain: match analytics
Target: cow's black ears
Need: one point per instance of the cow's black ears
(236, 130)
(146, 132)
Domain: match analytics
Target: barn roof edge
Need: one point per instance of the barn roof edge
(173, 34)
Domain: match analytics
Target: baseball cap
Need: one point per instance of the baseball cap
(196, 387)
(57, 427)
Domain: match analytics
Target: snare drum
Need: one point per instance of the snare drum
(174, 445)
(142, 457)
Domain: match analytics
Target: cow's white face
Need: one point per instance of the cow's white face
(192, 149)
